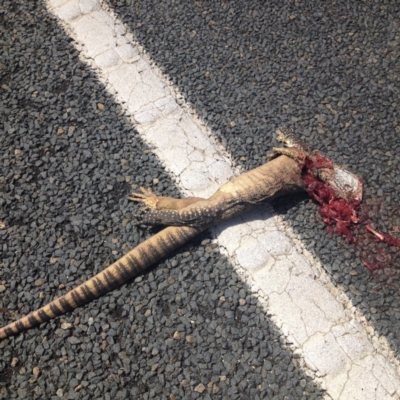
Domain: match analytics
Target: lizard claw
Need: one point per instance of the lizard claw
(147, 197)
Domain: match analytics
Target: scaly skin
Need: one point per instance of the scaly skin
(278, 177)
(137, 260)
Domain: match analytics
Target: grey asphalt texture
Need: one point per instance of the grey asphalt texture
(331, 70)
(67, 166)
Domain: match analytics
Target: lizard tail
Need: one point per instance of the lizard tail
(137, 260)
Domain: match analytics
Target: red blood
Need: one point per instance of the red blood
(342, 217)
(335, 212)
(389, 239)
(368, 264)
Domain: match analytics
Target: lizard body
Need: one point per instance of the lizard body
(278, 177)
(186, 218)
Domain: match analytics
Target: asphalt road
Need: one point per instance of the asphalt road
(330, 70)
(70, 157)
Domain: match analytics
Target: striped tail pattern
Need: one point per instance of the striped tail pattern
(137, 260)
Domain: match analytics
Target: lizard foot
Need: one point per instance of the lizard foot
(147, 197)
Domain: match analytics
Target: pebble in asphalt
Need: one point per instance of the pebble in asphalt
(188, 329)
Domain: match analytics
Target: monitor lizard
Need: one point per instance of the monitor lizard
(186, 218)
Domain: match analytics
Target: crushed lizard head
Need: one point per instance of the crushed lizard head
(337, 191)
(346, 185)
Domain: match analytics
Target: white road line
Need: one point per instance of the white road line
(335, 345)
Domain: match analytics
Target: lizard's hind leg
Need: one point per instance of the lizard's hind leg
(150, 200)
(163, 210)
(147, 197)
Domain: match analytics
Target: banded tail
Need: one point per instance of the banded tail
(137, 260)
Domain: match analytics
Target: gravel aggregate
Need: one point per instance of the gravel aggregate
(329, 69)
(188, 329)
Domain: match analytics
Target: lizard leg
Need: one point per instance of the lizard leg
(149, 199)
(296, 154)
(165, 210)
(197, 216)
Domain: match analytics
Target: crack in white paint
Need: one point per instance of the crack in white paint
(305, 305)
